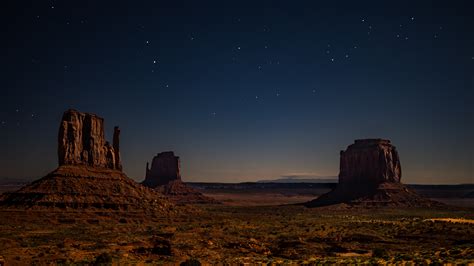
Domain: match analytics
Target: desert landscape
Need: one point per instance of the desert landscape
(237, 133)
(88, 211)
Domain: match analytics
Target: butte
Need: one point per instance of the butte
(165, 177)
(89, 175)
(370, 175)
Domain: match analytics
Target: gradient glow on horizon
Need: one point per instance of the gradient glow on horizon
(243, 91)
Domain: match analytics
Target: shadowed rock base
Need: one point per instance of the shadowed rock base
(179, 192)
(385, 194)
(81, 187)
(164, 176)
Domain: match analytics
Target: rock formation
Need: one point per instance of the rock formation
(370, 175)
(81, 142)
(164, 168)
(164, 176)
(89, 173)
(371, 161)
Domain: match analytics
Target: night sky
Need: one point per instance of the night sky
(242, 91)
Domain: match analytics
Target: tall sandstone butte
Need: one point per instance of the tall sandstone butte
(81, 141)
(165, 177)
(165, 167)
(369, 161)
(89, 174)
(370, 175)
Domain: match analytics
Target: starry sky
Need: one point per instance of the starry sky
(243, 90)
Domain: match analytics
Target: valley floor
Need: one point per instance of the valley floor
(238, 234)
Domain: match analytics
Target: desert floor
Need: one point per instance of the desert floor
(245, 229)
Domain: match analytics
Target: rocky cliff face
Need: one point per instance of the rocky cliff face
(81, 142)
(164, 168)
(89, 174)
(164, 176)
(369, 176)
(369, 161)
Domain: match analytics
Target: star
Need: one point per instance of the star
(167, 86)
(192, 38)
(363, 20)
(52, 7)
(256, 97)
(147, 42)
(332, 59)
(277, 94)
(412, 18)
(314, 91)
(154, 61)
(406, 38)
(260, 67)
(347, 56)
(266, 47)
(398, 35)
(238, 47)
(17, 110)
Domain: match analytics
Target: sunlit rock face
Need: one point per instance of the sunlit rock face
(81, 142)
(369, 161)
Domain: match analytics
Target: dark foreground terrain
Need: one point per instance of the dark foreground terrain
(239, 234)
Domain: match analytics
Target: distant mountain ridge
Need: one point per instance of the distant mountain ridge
(327, 179)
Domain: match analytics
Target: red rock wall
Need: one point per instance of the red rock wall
(81, 142)
(369, 161)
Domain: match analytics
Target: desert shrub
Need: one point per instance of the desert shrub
(103, 259)
(379, 253)
(61, 245)
(93, 221)
(161, 247)
(190, 262)
(140, 250)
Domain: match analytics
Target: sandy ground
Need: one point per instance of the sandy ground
(258, 199)
(452, 220)
(268, 199)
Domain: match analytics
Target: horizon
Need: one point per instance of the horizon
(243, 91)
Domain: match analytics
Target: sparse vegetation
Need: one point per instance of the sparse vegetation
(239, 234)
(104, 259)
